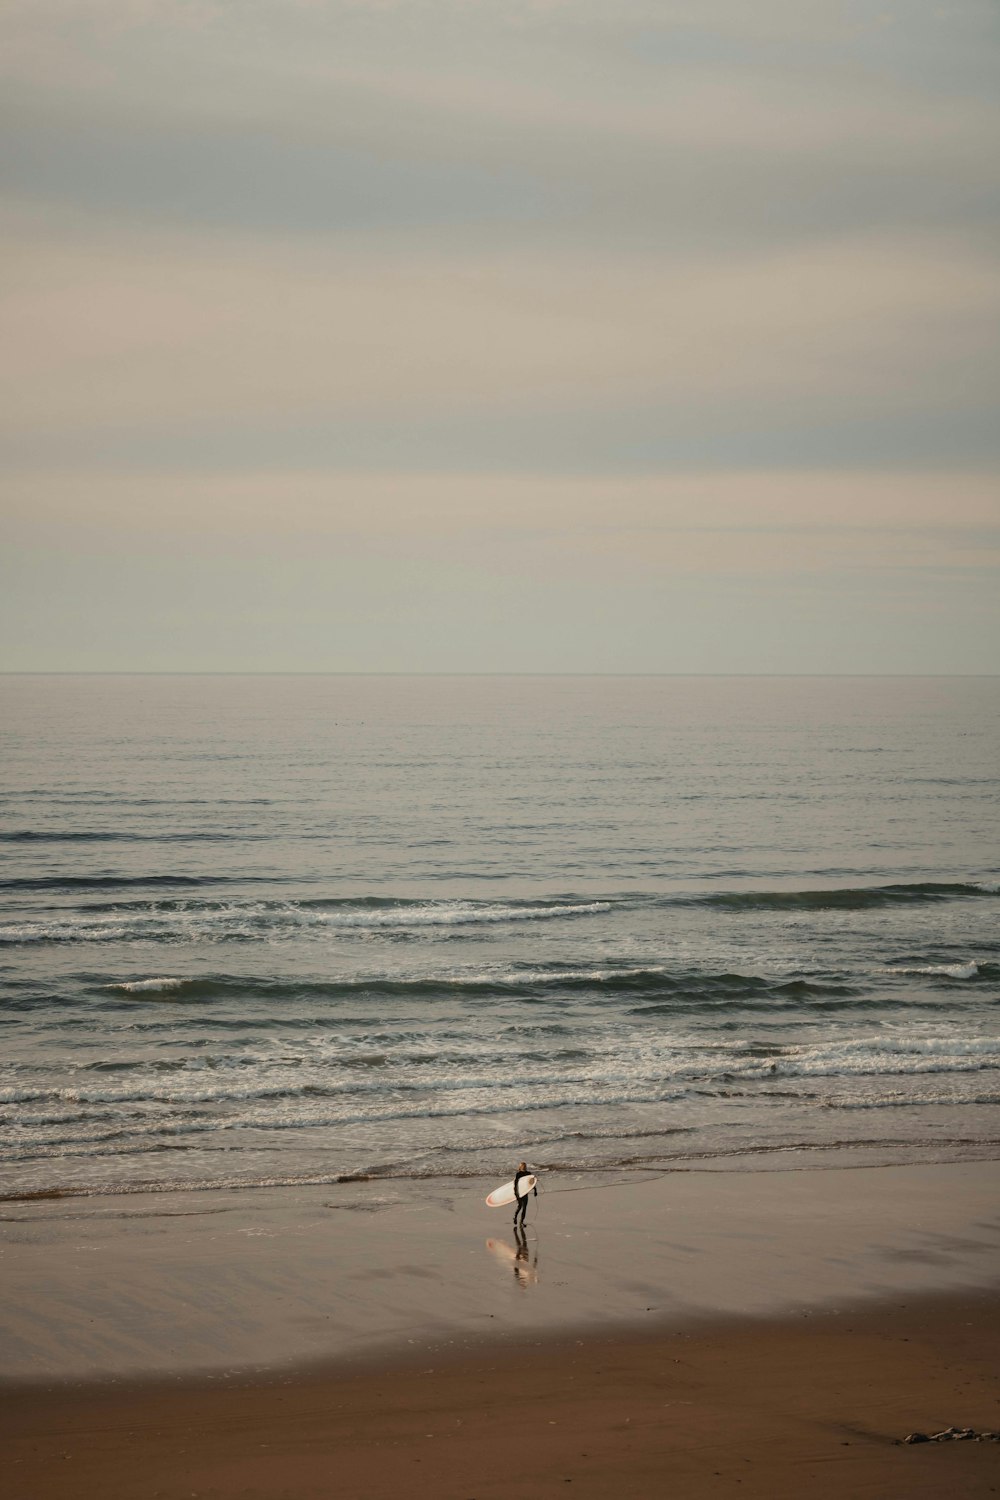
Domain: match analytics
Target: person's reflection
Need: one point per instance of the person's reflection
(525, 1268)
(523, 1260)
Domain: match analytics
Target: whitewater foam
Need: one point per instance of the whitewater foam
(141, 986)
(248, 921)
(945, 971)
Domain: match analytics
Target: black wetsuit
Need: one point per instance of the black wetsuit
(522, 1203)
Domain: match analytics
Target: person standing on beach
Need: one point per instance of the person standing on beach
(522, 1202)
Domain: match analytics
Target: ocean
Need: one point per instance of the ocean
(282, 929)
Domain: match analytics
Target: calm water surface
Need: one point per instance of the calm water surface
(283, 929)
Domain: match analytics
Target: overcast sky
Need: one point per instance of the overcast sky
(527, 335)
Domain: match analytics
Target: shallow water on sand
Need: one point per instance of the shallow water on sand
(284, 929)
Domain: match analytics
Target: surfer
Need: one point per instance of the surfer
(522, 1203)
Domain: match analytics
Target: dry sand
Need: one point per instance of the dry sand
(807, 1406)
(723, 1332)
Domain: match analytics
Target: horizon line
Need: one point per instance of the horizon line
(293, 672)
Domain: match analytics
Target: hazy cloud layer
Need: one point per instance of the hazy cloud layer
(605, 296)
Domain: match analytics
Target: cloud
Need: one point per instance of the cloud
(317, 117)
(699, 523)
(110, 332)
(323, 571)
(374, 308)
(427, 225)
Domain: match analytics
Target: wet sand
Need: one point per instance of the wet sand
(227, 1282)
(715, 1332)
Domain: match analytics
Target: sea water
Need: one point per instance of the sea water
(299, 929)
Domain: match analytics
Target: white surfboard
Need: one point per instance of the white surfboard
(506, 1194)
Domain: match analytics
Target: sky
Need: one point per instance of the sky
(534, 336)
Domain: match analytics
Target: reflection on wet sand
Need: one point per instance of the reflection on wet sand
(521, 1257)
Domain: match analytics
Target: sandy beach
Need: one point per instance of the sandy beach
(761, 1408)
(718, 1332)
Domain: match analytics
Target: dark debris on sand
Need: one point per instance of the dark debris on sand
(953, 1435)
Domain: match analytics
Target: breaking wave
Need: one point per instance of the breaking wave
(935, 971)
(650, 983)
(150, 986)
(236, 921)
